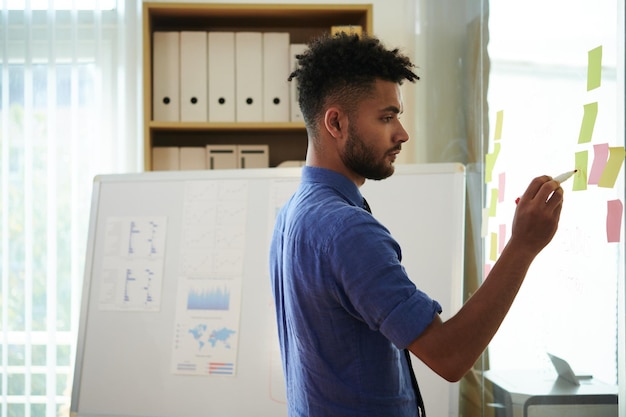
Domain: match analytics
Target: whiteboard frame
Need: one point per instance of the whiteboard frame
(432, 385)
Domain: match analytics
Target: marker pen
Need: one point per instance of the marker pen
(559, 178)
(564, 176)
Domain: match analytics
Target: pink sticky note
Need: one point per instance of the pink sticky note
(614, 213)
(501, 237)
(501, 184)
(600, 156)
(487, 270)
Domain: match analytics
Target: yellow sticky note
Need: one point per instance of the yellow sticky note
(493, 252)
(589, 121)
(498, 130)
(490, 161)
(594, 68)
(612, 168)
(484, 230)
(580, 177)
(494, 202)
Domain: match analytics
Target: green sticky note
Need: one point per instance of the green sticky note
(612, 167)
(494, 203)
(498, 130)
(590, 114)
(580, 177)
(490, 160)
(594, 68)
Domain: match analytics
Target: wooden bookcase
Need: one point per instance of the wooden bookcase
(287, 141)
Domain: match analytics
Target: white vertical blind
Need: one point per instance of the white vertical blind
(69, 86)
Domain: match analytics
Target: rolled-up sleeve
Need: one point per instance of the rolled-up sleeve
(409, 319)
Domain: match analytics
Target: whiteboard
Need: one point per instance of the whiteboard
(177, 316)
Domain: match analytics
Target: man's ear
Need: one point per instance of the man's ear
(334, 122)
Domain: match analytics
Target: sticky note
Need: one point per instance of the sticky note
(494, 203)
(594, 68)
(496, 149)
(580, 177)
(614, 214)
(501, 184)
(612, 168)
(589, 120)
(485, 223)
(486, 270)
(501, 237)
(600, 156)
(498, 130)
(490, 161)
(493, 252)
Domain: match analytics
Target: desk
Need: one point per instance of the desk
(532, 394)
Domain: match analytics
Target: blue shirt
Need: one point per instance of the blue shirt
(345, 306)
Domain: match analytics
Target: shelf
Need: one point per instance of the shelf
(220, 127)
(287, 141)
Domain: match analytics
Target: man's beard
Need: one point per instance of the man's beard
(362, 159)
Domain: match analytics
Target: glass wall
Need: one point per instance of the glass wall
(555, 104)
(515, 90)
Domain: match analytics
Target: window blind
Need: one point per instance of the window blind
(68, 111)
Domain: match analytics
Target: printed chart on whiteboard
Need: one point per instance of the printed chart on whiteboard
(208, 301)
(132, 272)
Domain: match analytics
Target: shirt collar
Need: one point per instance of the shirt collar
(335, 180)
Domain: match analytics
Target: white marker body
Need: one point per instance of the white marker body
(564, 176)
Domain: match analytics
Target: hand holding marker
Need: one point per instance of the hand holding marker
(559, 178)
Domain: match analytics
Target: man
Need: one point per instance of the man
(346, 310)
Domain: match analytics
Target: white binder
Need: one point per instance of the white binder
(221, 68)
(166, 76)
(221, 156)
(193, 76)
(253, 156)
(295, 113)
(249, 76)
(192, 158)
(276, 64)
(165, 158)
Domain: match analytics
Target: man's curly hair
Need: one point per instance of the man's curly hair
(343, 68)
